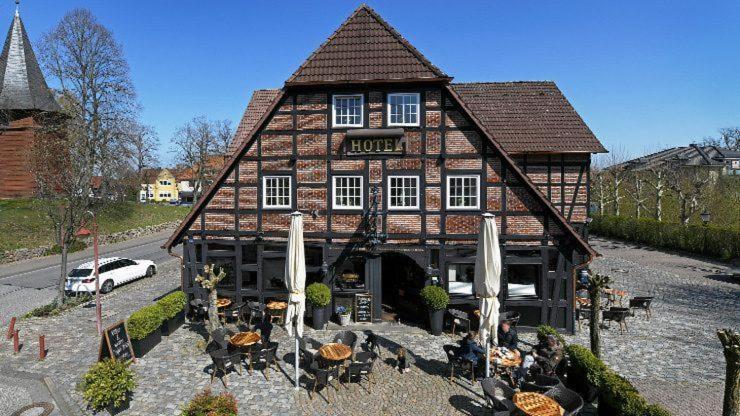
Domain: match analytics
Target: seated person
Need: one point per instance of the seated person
(470, 350)
(547, 355)
(507, 336)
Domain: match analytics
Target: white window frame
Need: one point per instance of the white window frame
(264, 192)
(478, 195)
(334, 110)
(418, 193)
(418, 108)
(334, 192)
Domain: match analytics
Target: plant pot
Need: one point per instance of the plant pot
(143, 346)
(436, 321)
(344, 319)
(170, 325)
(319, 317)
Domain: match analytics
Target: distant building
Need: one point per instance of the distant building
(161, 186)
(724, 161)
(24, 95)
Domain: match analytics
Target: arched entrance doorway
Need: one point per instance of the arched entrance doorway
(402, 280)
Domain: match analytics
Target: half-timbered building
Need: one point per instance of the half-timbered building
(392, 165)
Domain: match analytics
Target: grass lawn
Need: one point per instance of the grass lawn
(23, 222)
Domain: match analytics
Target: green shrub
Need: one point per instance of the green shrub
(54, 308)
(108, 384)
(722, 243)
(318, 295)
(435, 297)
(206, 404)
(145, 321)
(544, 330)
(584, 365)
(173, 304)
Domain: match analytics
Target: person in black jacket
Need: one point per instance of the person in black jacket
(507, 336)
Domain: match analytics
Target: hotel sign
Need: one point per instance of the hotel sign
(363, 142)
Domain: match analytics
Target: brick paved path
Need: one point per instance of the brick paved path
(675, 359)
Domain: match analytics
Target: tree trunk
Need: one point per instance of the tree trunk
(593, 324)
(731, 345)
(659, 204)
(213, 321)
(63, 273)
(682, 213)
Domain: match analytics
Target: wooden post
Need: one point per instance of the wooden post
(16, 341)
(731, 346)
(42, 347)
(11, 328)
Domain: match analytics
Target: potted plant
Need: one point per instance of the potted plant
(318, 296)
(205, 403)
(108, 384)
(344, 312)
(144, 328)
(436, 300)
(173, 306)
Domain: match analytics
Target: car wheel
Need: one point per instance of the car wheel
(150, 271)
(107, 286)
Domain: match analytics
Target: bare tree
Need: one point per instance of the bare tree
(141, 149)
(691, 185)
(202, 145)
(729, 138)
(617, 174)
(656, 180)
(635, 189)
(98, 100)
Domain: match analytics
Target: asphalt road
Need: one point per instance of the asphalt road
(31, 283)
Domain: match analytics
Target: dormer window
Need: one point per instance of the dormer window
(347, 110)
(403, 109)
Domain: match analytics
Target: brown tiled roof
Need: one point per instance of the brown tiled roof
(257, 106)
(528, 116)
(365, 48)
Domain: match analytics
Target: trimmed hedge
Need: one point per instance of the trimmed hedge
(318, 294)
(721, 243)
(544, 330)
(617, 396)
(145, 321)
(435, 297)
(173, 304)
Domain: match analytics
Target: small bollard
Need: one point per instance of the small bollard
(16, 341)
(42, 347)
(11, 328)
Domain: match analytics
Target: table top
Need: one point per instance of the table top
(536, 404)
(245, 339)
(511, 359)
(223, 302)
(616, 292)
(335, 351)
(583, 301)
(276, 305)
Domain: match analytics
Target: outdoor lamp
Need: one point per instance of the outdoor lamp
(705, 217)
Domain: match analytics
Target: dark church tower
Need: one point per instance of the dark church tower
(23, 96)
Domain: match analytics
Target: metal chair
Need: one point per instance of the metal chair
(363, 367)
(223, 359)
(307, 354)
(455, 361)
(323, 376)
(618, 315)
(499, 394)
(459, 318)
(568, 399)
(255, 310)
(347, 338)
(641, 302)
(541, 383)
(268, 357)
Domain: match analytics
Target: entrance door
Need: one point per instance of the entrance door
(401, 282)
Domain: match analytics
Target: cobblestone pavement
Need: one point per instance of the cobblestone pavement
(674, 359)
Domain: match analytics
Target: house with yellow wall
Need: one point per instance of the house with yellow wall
(162, 189)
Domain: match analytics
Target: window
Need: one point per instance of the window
(523, 281)
(165, 183)
(276, 191)
(347, 110)
(165, 194)
(348, 192)
(460, 278)
(403, 109)
(462, 192)
(403, 192)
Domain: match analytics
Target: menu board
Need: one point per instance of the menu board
(116, 343)
(363, 307)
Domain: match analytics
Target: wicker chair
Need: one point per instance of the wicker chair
(347, 338)
(618, 315)
(641, 302)
(268, 357)
(541, 383)
(455, 361)
(323, 376)
(568, 399)
(363, 367)
(459, 318)
(511, 316)
(255, 310)
(499, 394)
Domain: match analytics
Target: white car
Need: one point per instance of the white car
(114, 271)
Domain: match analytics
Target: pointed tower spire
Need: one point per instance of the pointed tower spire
(22, 84)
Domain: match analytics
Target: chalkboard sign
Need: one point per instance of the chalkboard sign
(363, 307)
(116, 343)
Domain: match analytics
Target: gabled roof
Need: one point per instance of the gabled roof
(22, 85)
(257, 106)
(365, 48)
(691, 155)
(528, 117)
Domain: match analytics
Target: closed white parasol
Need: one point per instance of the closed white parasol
(295, 282)
(488, 281)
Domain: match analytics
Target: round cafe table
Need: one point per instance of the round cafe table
(244, 341)
(509, 360)
(335, 353)
(278, 308)
(536, 404)
(222, 302)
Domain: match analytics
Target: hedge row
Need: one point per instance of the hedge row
(721, 243)
(617, 396)
(149, 318)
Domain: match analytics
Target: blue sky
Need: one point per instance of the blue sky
(643, 74)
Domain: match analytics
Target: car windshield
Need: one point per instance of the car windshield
(80, 272)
